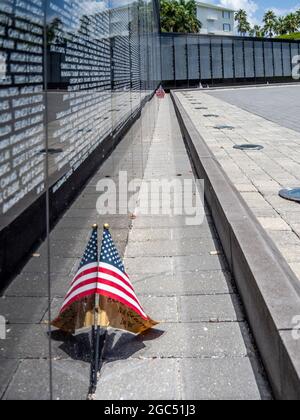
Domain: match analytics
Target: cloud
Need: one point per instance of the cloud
(249, 5)
(94, 6)
(283, 12)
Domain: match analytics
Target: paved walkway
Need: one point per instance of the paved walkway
(202, 349)
(258, 175)
(280, 104)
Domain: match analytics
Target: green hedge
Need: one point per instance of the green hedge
(290, 36)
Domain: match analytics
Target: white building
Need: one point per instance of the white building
(216, 20)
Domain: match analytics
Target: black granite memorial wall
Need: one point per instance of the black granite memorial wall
(74, 76)
(188, 60)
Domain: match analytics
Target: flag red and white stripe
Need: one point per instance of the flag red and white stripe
(115, 284)
(106, 280)
(105, 276)
(84, 284)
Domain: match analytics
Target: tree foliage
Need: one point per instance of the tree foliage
(272, 24)
(243, 25)
(179, 16)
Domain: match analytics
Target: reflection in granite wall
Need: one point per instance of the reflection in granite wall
(22, 111)
(98, 73)
(98, 62)
(73, 76)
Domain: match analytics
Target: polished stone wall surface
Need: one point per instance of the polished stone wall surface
(188, 60)
(22, 105)
(73, 75)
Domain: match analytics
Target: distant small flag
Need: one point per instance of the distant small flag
(160, 93)
(78, 307)
(120, 307)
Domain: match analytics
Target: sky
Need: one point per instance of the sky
(257, 8)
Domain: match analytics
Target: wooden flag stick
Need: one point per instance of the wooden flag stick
(96, 336)
(97, 326)
(98, 331)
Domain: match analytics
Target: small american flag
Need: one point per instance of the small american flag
(119, 306)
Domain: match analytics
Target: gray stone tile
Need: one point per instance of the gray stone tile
(31, 381)
(82, 235)
(84, 222)
(199, 263)
(145, 265)
(149, 234)
(23, 310)
(190, 232)
(162, 221)
(162, 309)
(7, 369)
(180, 233)
(182, 340)
(223, 379)
(157, 379)
(219, 308)
(58, 265)
(172, 248)
(25, 341)
(31, 342)
(56, 305)
(70, 234)
(36, 285)
(75, 249)
(183, 283)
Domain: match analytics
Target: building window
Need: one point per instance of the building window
(226, 15)
(227, 27)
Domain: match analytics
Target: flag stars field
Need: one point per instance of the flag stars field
(110, 253)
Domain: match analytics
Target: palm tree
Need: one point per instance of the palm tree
(168, 15)
(257, 31)
(179, 16)
(241, 18)
(298, 17)
(291, 23)
(270, 21)
(280, 27)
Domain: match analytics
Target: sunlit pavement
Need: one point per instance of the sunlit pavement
(258, 116)
(202, 349)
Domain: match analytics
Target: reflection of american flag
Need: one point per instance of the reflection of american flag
(113, 281)
(86, 279)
